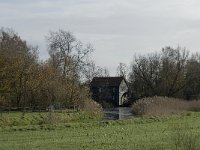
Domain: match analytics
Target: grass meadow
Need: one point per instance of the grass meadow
(160, 123)
(179, 131)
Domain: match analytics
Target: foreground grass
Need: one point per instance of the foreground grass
(139, 133)
(41, 118)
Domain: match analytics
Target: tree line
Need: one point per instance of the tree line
(27, 81)
(64, 78)
(173, 72)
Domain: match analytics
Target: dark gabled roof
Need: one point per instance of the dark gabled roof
(106, 81)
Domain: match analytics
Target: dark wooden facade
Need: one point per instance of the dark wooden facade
(110, 89)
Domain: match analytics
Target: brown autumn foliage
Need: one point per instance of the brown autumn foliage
(27, 82)
(163, 106)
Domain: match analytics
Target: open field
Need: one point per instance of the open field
(174, 132)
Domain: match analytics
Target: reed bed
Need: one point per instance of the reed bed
(163, 106)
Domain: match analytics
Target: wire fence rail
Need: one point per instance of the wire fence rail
(68, 108)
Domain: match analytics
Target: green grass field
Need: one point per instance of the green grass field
(174, 132)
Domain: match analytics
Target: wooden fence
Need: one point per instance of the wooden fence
(68, 108)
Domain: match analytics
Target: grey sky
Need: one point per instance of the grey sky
(117, 29)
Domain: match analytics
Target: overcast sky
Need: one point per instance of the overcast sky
(117, 29)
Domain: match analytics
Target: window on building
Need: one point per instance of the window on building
(100, 90)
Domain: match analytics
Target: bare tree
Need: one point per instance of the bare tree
(160, 73)
(122, 70)
(173, 69)
(92, 71)
(71, 58)
(145, 74)
(68, 53)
